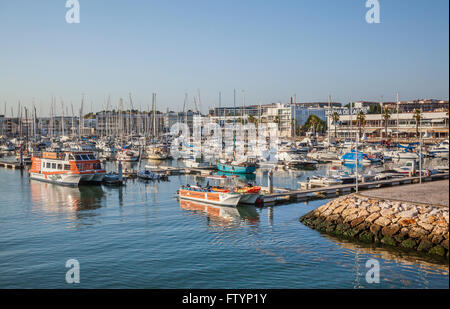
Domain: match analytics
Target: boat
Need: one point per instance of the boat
(409, 167)
(193, 162)
(237, 167)
(249, 194)
(293, 161)
(148, 175)
(213, 195)
(362, 158)
(324, 181)
(127, 156)
(388, 174)
(156, 153)
(323, 156)
(66, 168)
(112, 179)
(440, 150)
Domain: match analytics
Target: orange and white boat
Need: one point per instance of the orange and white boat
(66, 168)
(215, 196)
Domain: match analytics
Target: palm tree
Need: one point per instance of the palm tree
(361, 118)
(386, 115)
(418, 116)
(335, 118)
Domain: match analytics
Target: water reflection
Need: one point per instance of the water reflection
(409, 259)
(52, 198)
(222, 215)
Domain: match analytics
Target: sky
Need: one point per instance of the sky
(267, 50)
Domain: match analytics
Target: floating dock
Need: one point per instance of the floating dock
(290, 196)
(13, 165)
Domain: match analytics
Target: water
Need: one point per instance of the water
(139, 236)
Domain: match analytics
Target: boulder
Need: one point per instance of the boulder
(425, 245)
(382, 221)
(444, 243)
(406, 221)
(388, 241)
(373, 208)
(408, 213)
(437, 250)
(372, 217)
(408, 243)
(417, 232)
(356, 221)
(390, 230)
(366, 236)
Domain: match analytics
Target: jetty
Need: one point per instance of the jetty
(11, 164)
(290, 196)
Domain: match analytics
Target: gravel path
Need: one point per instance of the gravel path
(433, 192)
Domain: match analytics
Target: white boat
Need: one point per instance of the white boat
(408, 155)
(441, 150)
(222, 198)
(127, 156)
(324, 181)
(156, 153)
(323, 155)
(197, 163)
(66, 168)
(148, 175)
(294, 160)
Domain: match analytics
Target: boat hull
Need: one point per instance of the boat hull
(216, 198)
(60, 179)
(249, 198)
(236, 169)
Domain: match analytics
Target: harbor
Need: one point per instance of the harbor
(217, 148)
(190, 236)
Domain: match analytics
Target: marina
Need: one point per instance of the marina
(221, 147)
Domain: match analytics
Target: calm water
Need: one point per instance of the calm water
(139, 236)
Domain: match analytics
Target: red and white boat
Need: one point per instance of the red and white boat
(66, 168)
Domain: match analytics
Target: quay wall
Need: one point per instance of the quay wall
(405, 225)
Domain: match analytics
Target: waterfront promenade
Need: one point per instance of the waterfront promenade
(433, 193)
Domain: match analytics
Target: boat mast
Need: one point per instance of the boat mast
(398, 104)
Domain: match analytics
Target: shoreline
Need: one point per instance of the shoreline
(403, 225)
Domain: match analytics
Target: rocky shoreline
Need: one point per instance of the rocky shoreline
(405, 225)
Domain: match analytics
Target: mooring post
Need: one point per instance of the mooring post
(119, 170)
(270, 181)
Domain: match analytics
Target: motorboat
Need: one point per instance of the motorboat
(213, 195)
(127, 156)
(66, 168)
(148, 175)
(324, 181)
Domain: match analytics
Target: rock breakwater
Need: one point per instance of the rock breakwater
(424, 228)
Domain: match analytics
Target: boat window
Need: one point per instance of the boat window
(60, 166)
(78, 157)
(54, 166)
(48, 165)
(71, 157)
(67, 167)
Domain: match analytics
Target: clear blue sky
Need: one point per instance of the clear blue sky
(271, 49)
